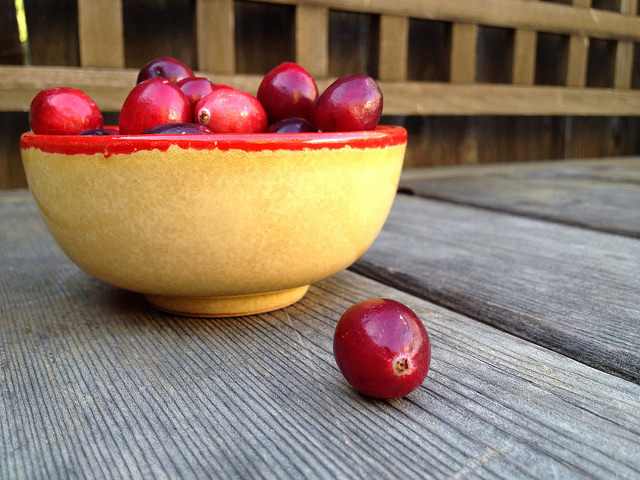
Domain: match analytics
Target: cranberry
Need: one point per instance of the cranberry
(382, 348)
(153, 102)
(165, 67)
(195, 88)
(288, 91)
(179, 129)
(63, 111)
(291, 125)
(95, 131)
(220, 86)
(352, 102)
(228, 110)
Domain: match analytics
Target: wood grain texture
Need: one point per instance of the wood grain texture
(602, 194)
(623, 65)
(394, 48)
(464, 40)
(578, 56)
(539, 16)
(95, 384)
(215, 30)
(312, 39)
(569, 289)
(100, 33)
(624, 50)
(524, 57)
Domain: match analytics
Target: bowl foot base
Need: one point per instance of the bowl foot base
(230, 306)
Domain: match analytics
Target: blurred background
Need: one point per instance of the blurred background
(260, 35)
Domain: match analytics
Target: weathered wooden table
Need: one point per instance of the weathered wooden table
(527, 278)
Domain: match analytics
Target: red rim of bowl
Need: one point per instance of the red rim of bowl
(107, 145)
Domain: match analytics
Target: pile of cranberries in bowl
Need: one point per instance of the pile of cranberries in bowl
(170, 99)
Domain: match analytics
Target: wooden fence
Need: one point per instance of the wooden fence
(473, 81)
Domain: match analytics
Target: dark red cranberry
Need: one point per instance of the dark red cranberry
(179, 129)
(195, 88)
(291, 125)
(95, 131)
(382, 348)
(288, 91)
(352, 102)
(228, 110)
(165, 67)
(63, 111)
(153, 102)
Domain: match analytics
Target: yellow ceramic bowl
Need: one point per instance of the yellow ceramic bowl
(215, 225)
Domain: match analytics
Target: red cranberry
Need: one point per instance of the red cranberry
(179, 129)
(195, 88)
(291, 125)
(228, 110)
(353, 102)
(288, 91)
(382, 348)
(220, 86)
(164, 67)
(63, 111)
(153, 102)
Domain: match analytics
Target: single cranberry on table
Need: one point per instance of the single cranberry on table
(382, 348)
(63, 111)
(228, 110)
(153, 102)
(287, 91)
(352, 102)
(165, 67)
(291, 125)
(194, 88)
(179, 129)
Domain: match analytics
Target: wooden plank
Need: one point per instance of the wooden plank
(312, 39)
(539, 16)
(524, 57)
(464, 40)
(578, 57)
(598, 194)
(394, 48)
(569, 289)
(110, 87)
(98, 385)
(624, 65)
(100, 33)
(215, 30)
(624, 51)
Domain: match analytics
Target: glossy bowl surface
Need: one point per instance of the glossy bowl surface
(215, 225)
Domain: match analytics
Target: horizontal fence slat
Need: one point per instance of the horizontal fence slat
(539, 16)
(110, 87)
